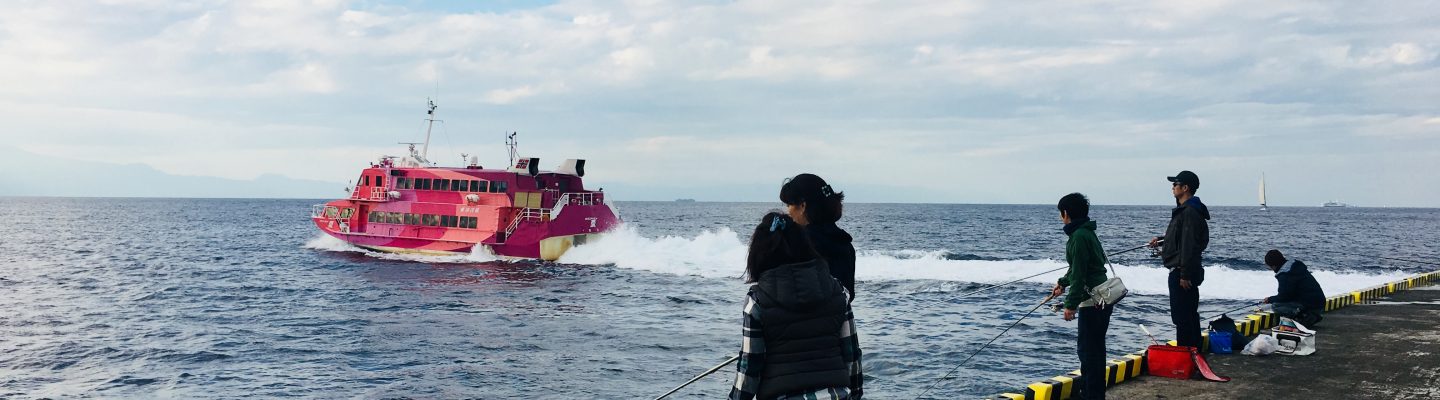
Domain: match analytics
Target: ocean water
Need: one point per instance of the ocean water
(144, 298)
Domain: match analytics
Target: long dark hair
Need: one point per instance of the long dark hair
(822, 203)
(777, 241)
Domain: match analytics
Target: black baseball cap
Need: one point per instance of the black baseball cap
(1186, 178)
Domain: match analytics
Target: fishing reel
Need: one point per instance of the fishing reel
(1155, 251)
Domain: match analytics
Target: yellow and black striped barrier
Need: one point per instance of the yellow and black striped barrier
(1133, 365)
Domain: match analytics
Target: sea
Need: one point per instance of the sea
(228, 298)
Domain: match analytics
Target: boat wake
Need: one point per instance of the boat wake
(330, 243)
(721, 254)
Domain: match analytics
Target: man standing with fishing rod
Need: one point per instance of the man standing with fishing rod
(1184, 240)
(1087, 270)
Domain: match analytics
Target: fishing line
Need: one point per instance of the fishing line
(1388, 258)
(1047, 299)
(1043, 273)
(987, 344)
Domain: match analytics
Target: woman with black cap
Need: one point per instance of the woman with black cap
(812, 203)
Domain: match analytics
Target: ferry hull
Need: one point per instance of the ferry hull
(544, 237)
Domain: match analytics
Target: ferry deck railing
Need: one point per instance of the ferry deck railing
(573, 198)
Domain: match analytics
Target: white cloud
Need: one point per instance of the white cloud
(985, 83)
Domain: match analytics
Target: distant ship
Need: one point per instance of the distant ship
(1333, 204)
(411, 206)
(684, 200)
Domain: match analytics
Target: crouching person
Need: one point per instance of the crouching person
(1299, 297)
(799, 334)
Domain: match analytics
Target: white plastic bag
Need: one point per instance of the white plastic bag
(1261, 345)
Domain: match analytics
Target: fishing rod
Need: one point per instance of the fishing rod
(987, 344)
(1043, 273)
(697, 377)
(1255, 304)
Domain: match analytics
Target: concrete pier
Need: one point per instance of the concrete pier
(1381, 349)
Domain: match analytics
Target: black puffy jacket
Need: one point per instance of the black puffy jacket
(802, 308)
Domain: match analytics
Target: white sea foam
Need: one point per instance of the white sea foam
(330, 243)
(721, 254)
(713, 253)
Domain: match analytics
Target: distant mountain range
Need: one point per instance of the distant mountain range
(29, 174)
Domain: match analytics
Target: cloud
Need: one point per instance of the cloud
(653, 88)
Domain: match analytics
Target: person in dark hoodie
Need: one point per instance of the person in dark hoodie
(799, 334)
(1087, 269)
(1299, 296)
(815, 205)
(1184, 240)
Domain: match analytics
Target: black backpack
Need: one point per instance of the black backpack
(1225, 324)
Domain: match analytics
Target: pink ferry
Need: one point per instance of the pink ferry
(411, 206)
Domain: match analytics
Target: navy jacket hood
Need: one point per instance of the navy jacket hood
(1195, 203)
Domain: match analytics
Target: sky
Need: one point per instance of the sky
(890, 101)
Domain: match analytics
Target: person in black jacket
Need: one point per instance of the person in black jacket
(1185, 238)
(814, 204)
(1299, 296)
(799, 332)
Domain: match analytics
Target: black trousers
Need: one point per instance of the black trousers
(1185, 311)
(1094, 321)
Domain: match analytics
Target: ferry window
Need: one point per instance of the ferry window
(454, 221)
(367, 180)
(330, 212)
(478, 186)
(498, 187)
(412, 219)
(403, 183)
(430, 220)
(467, 222)
(346, 213)
(462, 186)
(371, 217)
(422, 184)
(442, 184)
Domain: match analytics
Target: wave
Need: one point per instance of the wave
(720, 254)
(325, 242)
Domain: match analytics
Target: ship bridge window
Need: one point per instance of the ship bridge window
(462, 186)
(479, 186)
(402, 183)
(442, 184)
(499, 187)
(367, 180)
(424, 184)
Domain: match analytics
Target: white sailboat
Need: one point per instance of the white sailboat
(1262, 192)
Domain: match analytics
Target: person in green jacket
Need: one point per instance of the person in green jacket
(1087, 270)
